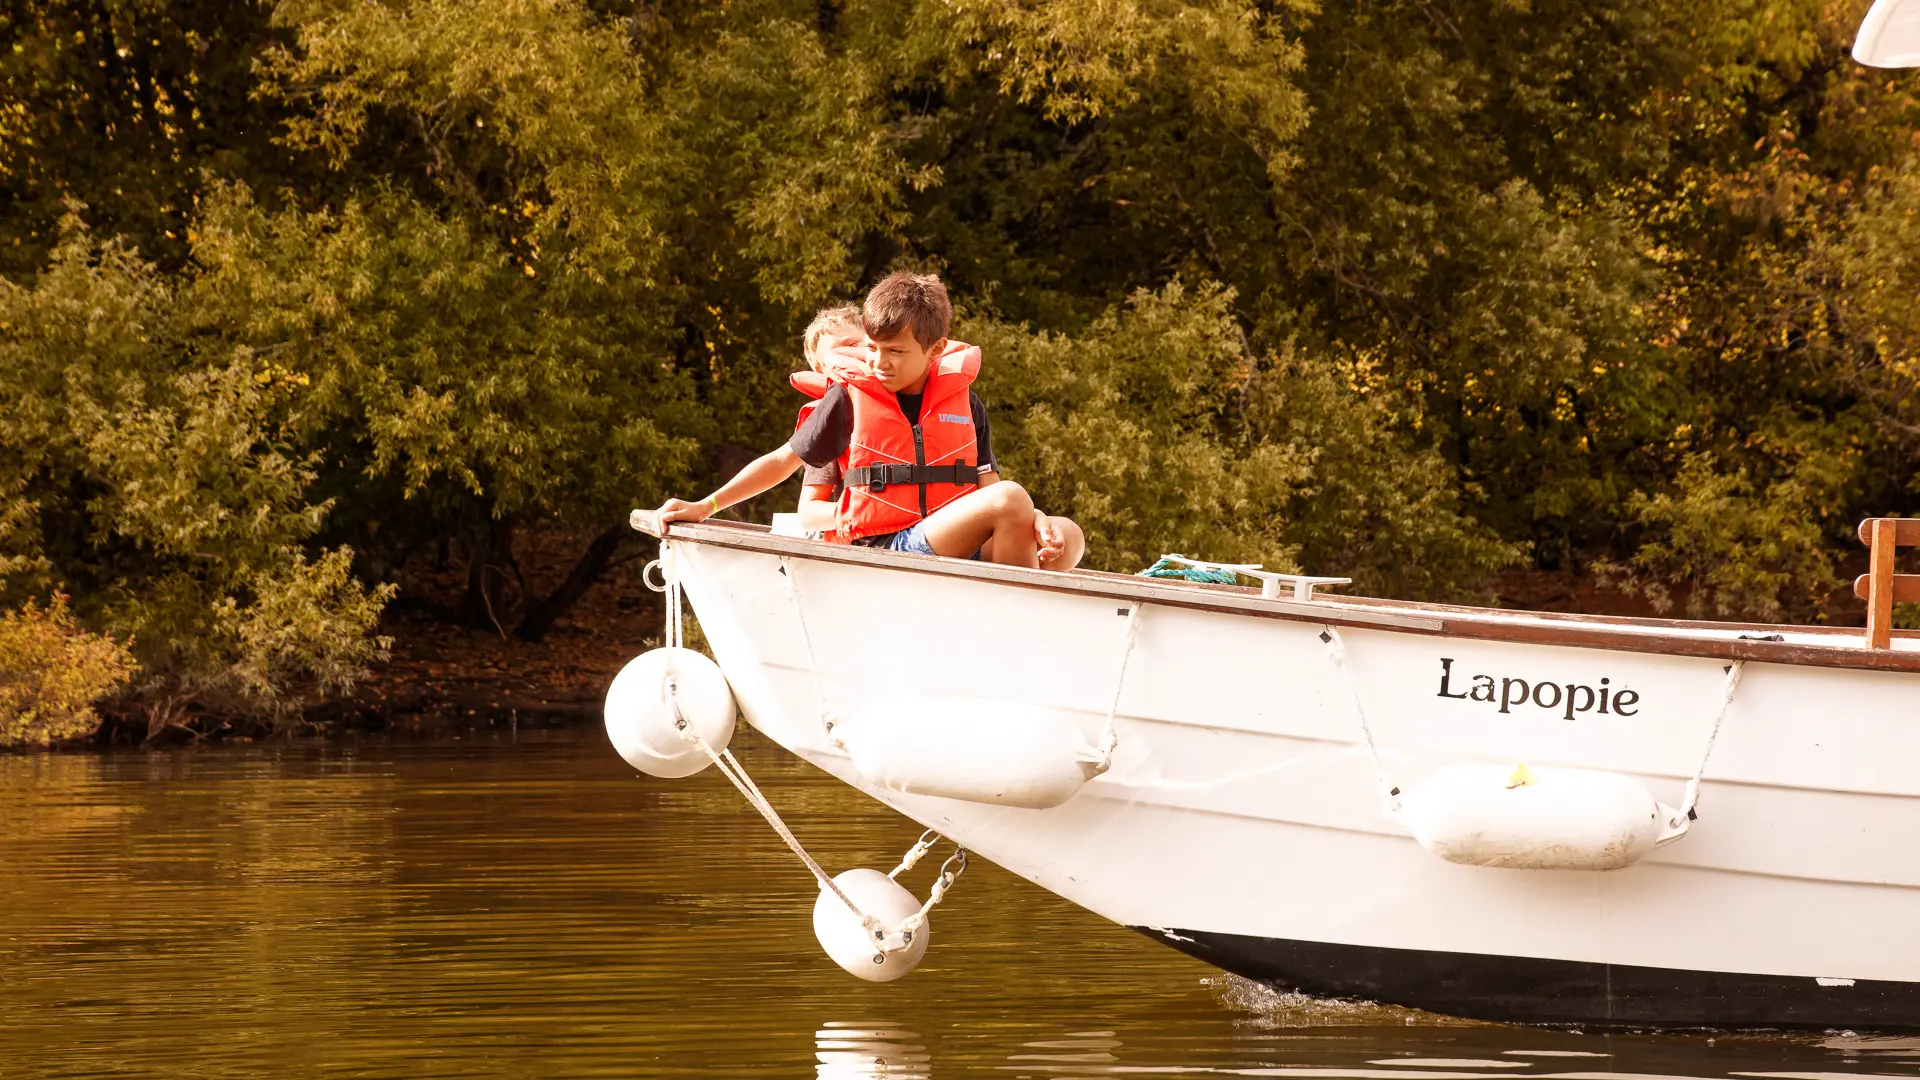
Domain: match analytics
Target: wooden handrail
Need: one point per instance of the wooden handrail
(1906, 588)
(1906, 531)
(1880, 587)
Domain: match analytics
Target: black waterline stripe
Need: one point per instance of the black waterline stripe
(1529, 990)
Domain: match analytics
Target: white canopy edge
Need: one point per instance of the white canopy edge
(1890, 35)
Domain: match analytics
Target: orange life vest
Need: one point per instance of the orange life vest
(897, 472)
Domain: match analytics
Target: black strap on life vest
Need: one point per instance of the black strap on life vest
(877, 477)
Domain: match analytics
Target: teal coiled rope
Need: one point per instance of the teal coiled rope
(1166, 568)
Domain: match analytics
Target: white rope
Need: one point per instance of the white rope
(673, 638)
(1108, 737)
(676, 634)
(912, 923)
(1337, 651)
(813, 663)
(886, 941)
(1713, 734)
(731, 768)
(915, 853)
(945, 881)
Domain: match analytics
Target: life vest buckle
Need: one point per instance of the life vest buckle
(879, 476)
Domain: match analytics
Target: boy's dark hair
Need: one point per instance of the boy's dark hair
(908, 301)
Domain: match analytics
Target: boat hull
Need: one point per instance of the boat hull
(1530, 990)
(1243, 821)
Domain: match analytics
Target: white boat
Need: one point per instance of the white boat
(1243, 819)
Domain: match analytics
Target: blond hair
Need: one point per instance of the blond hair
(825, 321)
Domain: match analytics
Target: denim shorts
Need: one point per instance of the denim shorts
(912, 540)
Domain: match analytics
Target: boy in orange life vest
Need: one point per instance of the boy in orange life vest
(911, 438)
(836, 347)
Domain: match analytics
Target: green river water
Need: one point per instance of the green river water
(532, 908)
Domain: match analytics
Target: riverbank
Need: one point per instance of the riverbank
(447, 677)
(446, 674)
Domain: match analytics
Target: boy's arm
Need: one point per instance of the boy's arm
(819, 510)
(761, 474)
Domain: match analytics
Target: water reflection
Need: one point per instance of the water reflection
(846, 1051)
(1080, 1050)
(463, 910)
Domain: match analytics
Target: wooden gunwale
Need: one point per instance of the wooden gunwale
(1487, 624)
(1126, 589)
(1850, 633)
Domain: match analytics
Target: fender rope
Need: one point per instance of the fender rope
(1337, 652)
(813, 663)
(730, 767)
(915, 853)
(1108, 738)
(1713, 734)
(945, 881)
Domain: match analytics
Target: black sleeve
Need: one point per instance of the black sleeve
(982, 438)
(827, 475)
(828, 430)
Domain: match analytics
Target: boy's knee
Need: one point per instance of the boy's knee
(1011, 497)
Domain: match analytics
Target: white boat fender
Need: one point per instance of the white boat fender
(871, 925)
(1538, 819)
(855, 944)
(659, 699)
(975, 749)
(1004, 753)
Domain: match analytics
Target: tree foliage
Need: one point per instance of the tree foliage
(1412, 290)
(1156, 429)
(52, 672)
(157, 472)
